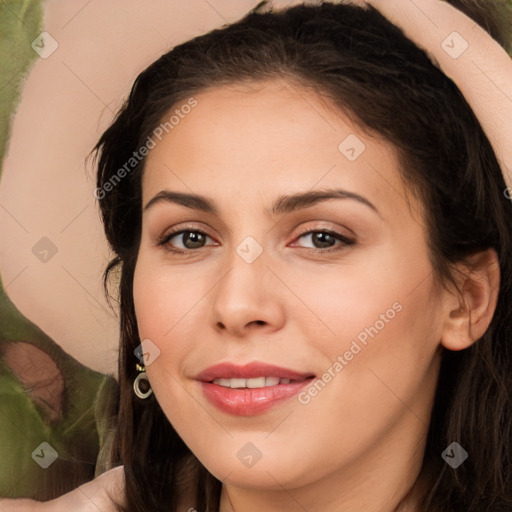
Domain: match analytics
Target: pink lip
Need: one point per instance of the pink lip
(249, 402)
(248, 371)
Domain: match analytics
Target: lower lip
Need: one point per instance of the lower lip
(249, 402)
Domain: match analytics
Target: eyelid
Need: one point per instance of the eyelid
(344, 241)
(329, 229)
(164, 239)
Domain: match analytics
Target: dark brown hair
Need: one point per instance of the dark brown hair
(365, 66)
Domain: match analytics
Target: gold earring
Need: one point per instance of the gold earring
(136, 383)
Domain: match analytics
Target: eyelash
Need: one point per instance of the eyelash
(164, 240)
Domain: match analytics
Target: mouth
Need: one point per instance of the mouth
(253, 383)
(250, 389)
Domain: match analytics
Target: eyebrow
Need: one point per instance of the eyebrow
(283, 204)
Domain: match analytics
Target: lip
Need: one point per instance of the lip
(248, 371)
(245, 401)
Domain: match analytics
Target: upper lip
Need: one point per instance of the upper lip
(248, 371)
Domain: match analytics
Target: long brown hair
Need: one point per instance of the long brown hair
(369, 70)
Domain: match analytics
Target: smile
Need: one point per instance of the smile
(255, 382)
(250, 389)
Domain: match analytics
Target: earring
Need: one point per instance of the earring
(136, 383)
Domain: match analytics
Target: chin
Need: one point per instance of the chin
(240, 462)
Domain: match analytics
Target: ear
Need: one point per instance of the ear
(468, 313)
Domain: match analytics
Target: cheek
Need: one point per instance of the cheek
(383, 356)
(381, 371)
(165, 300)
(377, 329)
(386, 296)
(170, 311)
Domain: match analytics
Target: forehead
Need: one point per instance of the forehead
(247, 141)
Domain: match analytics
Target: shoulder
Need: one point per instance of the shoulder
(91, 496)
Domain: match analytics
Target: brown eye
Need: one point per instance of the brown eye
(325, 239)
(186, 239)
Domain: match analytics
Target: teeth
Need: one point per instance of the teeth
(255, 382)
(238, 383)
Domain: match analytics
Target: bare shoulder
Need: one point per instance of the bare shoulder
(91, 496)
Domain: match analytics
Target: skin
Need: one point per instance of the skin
(359, 443)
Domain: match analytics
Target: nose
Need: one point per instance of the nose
(247, 298)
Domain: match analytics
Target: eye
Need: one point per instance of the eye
(187, 239)
(326, 239)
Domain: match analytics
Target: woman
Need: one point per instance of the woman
(314, 248)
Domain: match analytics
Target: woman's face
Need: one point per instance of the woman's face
(352, 318)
